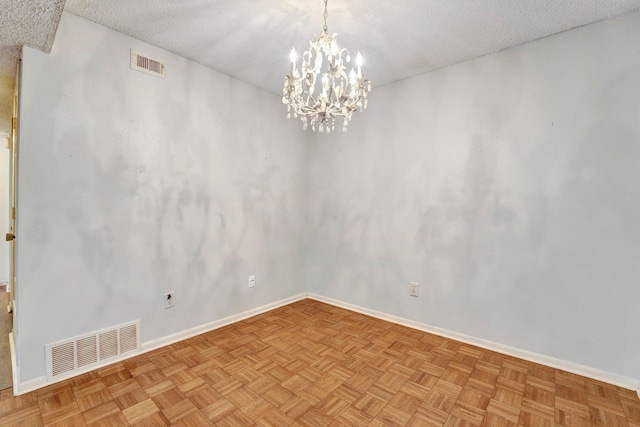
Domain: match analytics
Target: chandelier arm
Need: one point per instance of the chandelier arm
(304, 105)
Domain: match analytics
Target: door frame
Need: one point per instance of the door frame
(13, 185)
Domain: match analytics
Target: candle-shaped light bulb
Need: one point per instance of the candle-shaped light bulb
(293, 57)
(325, 84)
(359, 64)
(352, 76)
(334, 48)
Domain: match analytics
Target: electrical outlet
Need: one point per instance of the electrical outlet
(169, 300)
(414, 290)
(252, 281)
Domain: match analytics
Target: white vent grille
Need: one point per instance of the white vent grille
(86, 348)
(146, 64)
(66, 357)
(108, 344)
(128, 339)
(62, 358)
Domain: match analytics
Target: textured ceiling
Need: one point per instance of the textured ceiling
(22, 22)
(250, 40)
(27, 22)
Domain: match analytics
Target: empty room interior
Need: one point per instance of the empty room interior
(444, 231)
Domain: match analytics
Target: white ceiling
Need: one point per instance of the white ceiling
(251, 39)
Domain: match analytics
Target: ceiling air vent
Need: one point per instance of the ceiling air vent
(146, 64)
(89, 351)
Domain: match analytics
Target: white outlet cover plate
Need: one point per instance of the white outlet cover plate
(414, 290)
(252, 281)
(169, 300)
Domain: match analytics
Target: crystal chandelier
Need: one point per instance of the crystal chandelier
(338, 95)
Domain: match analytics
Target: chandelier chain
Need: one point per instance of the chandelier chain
(326, 14)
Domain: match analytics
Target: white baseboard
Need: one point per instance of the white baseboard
(14, 365)
(27, 386)
(39, 382)
(575, 368)
(31, 385)
(188, 333)
(596, 374)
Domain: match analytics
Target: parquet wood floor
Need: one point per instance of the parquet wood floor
(311, 364)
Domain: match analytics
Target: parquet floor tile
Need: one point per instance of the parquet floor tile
(310, 364)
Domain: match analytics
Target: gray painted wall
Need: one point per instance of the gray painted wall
(132, 186)
(507, 187)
